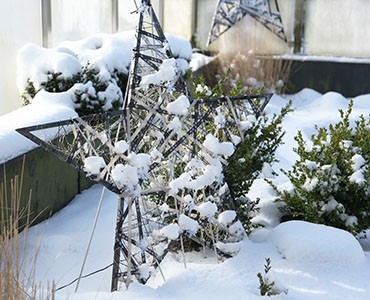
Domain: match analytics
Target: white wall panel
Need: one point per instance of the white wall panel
(20, 23)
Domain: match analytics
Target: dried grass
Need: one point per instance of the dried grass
(248, 54)
(17, 276)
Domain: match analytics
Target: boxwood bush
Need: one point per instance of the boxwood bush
(331, 179)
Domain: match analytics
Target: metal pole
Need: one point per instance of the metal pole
(115, 16)
(194, 21)
(117, 248)
(46, 22)
(161, 12)
(299, 21)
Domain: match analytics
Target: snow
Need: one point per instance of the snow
(170, 231)
(47, 107)
(188, 225)
(126, 177)
(121, 147)
(316, 244)
(179, 106)
(199, 60)
(207, 209)
(35, 62)
(217, 147)
(357, 162)
(93, 165)
(227, 217)
(167, 73)
(312, 262)
(105, 52)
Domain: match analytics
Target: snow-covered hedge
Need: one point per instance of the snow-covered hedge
(330, 182)
(94, 69)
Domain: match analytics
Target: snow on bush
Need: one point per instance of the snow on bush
(179, 106)
(188, 225)
(220, 148)
(227, 217)
(179, 183)
(121, 147)
(175, 124)
(145, 271)
(167, 73)
(141, 162)
(94, 68)
(170, 231)
(207, 210)
(230, 248)
(36, 64)
(301, 241)
(331, 178)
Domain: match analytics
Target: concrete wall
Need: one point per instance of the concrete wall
(53, 182)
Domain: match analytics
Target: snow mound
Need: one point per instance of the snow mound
(305, 95)
(303, 241)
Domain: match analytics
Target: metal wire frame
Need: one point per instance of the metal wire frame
(229, 12)
(145, 124)
(76, 139)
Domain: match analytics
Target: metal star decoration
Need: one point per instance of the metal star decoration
(230, 12)
(162, 154)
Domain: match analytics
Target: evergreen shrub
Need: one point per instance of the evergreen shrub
(331, 179)
(255, 152)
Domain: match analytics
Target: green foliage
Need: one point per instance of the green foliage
(56, 83)
(331, 178)
(267, 287)
(92, 94)
(252, 154)
(89, 96)
(257, 149)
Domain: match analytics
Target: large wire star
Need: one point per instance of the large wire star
(230, 12)
(163, 154)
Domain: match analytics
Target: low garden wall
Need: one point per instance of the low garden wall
(52, 182)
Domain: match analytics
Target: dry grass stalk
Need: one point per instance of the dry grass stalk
(17, 280)
(248, 54)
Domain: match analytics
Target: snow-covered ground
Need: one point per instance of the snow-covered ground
(308, 261)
